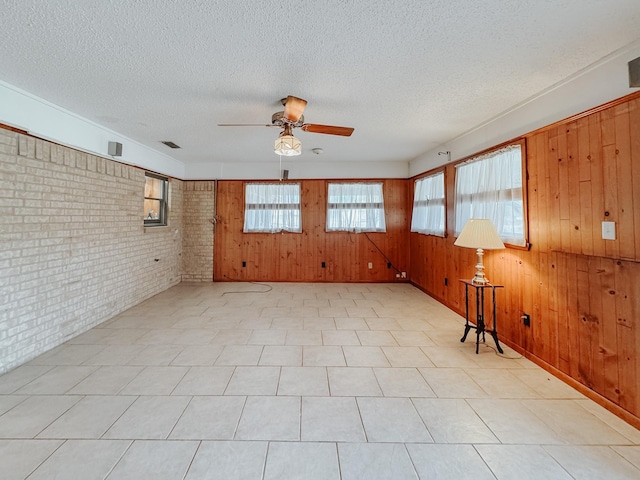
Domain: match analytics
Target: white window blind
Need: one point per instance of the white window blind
(272, 207)
(355, 207)
(428, 205)
(490, 186)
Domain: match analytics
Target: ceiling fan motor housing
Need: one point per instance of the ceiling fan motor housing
(278, 120)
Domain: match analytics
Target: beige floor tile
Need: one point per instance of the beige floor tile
(115, 355)
(149, 417)
(82, 460)
(267, 337)
(270, 418)
(237, 402)
(89, 418)
(450, 462)
(630, 453)
(209, 418)
(289, 355)
(155, 381)
(34, 414)
(382, 323)
(305, 460)
(365, 356)
(223, 460)
(19, 377)
(353, 382)
(155, 460)
(452, 383)
(402, 382)
(198, 355)
(593, 462)
(340, 337)
(350, 323)
(512, 422)
(412, 338)
(108, 380)
(375, 461)
(254, 381)
(322, 356)
(303, 381)
(231, 337)
(240, 355)
(563, 416)
(453, 421)
(406, 357)
(58, 380)
(376, 338)
(204, 381)
(331, 419)
(7, 402)
(532, 462)
(21, 457)
(304, 337)
(392, 420)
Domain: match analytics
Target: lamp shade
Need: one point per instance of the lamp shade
(479, 233)
(288, 146)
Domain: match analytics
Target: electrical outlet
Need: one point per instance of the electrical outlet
(324, 265)
(403, 274)
(244, 264)
(526, 319)
(370, 265)
(388, 264)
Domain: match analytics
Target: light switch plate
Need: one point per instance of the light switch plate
(608, 230)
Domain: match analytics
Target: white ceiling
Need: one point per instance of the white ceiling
(407, 75)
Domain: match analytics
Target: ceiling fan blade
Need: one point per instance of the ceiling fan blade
(293, 108)
(328, 129)
(246, 125)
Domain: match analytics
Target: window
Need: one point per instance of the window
(355, 207)
(272, 207)
(155, 200)
(490, 186)
(428, 205)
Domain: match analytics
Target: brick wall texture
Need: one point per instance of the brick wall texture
(73, 248)
(198, 224)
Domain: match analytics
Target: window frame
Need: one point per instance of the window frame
(488, 155)
(279, 228)
(162, 220)
(355, 229)
(430, 203)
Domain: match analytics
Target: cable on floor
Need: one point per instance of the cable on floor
(269, 287)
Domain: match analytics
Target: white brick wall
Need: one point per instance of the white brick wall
(198, 224)
(73, 248)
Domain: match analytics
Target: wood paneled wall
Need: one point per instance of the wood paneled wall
(298, 257)
(582, 292)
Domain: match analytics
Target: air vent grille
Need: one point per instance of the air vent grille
(170, 144)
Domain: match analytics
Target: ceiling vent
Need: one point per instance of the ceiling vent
(170, 144)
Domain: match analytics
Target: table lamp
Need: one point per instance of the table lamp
(479, 233)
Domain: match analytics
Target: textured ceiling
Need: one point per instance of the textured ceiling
(407, 75)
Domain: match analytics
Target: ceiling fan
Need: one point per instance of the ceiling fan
(286, 144)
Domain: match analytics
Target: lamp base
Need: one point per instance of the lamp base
(479, 278)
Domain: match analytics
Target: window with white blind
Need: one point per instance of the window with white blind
(428, 212)
(355, 207)
(491, 186)
(272, 207)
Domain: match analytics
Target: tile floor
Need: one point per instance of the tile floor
(298, 381)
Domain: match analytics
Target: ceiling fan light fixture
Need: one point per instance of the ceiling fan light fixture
(288, 146)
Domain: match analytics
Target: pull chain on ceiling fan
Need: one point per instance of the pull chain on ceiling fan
(287, 144)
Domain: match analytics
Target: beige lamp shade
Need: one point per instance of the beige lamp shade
(479, 233)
